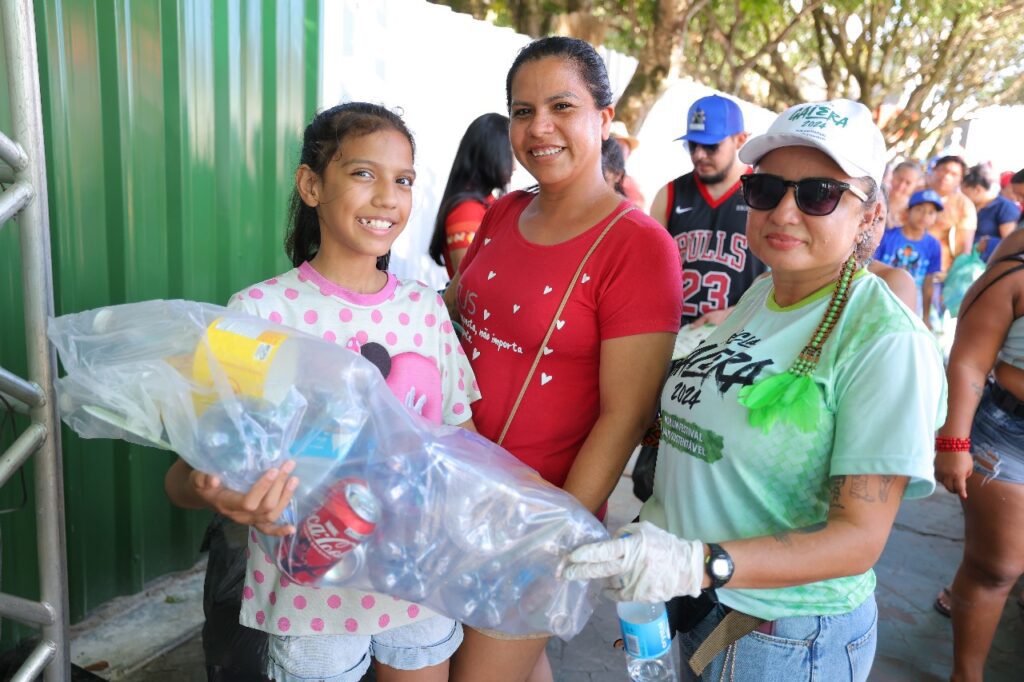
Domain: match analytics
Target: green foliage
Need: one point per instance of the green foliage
(628, 33)
(933, 63)
(753, 11)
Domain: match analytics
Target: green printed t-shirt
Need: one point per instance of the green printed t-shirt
(717, 478)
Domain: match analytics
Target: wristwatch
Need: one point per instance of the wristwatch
(718, 565)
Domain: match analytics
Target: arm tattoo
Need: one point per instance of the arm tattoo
(783, 536)
(859, 489)
(885, 487)
(835, 488)
(980, 390)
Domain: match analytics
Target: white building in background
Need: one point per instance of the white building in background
(993, 135)
(442, 70)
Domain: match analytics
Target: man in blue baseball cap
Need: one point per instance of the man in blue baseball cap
(705, 213)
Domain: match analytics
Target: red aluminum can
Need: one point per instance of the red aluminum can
(347, 518)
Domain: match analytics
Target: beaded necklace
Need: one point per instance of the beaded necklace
(793, 396)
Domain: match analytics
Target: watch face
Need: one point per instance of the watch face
(720, 567)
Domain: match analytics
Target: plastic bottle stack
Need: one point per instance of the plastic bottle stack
(648, 642)
(386, 501)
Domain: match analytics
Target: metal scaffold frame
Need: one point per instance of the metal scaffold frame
(22, 167)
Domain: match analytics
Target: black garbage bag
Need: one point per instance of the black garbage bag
(234, 653)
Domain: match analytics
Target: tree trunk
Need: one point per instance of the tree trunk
(640, 95)
(655, 61)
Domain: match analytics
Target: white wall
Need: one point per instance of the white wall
(443, 70)
(993, 135)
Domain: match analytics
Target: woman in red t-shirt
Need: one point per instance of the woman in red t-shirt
(594, 388)
(482, 166)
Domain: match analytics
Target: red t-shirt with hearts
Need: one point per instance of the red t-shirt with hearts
(508, 294)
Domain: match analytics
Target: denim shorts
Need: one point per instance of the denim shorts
(997, 442)
(835, 648)
(346, 658)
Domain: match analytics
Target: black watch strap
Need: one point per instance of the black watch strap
(718, 565)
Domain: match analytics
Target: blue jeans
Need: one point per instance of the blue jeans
(346, 658)
(997, 442)
(834, 648)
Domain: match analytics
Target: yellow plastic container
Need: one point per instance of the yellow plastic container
(248, 355)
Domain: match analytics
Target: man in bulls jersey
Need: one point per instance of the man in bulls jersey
(705, 213)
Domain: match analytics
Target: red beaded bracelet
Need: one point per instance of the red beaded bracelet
(944, 444)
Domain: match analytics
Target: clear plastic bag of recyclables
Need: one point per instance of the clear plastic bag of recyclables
(386, 501)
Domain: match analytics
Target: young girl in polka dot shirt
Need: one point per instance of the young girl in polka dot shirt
(353, 193)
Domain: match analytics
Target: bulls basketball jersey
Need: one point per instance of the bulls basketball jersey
(712, 239)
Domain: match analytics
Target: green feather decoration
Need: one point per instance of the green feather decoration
(793, 396)
(787, 397)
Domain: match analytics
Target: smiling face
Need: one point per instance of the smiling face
(556, 128)
(793, 244)
(363, 198)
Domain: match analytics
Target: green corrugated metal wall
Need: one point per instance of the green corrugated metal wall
(172, 131)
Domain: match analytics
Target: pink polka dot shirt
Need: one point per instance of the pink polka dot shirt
(407, 324)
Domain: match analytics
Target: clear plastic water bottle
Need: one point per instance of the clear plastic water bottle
(648, 642)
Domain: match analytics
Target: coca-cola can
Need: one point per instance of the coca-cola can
(348, 516)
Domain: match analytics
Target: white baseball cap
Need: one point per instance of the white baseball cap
(841, 128)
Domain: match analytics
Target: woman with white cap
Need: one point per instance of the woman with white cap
(791, 434)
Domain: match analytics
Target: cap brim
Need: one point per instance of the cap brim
(702, 138)
(756, 149)
(938, 207)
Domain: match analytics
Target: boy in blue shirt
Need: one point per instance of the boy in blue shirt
(911, 248)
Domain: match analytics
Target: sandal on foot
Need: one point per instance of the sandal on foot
(942, 602)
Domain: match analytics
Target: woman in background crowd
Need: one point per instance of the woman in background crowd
(627, 144)
(979, 454)
(613, 165)
(907, 178)
(997, 215)
(481, 169)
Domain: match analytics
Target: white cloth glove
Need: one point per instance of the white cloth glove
(644, 563)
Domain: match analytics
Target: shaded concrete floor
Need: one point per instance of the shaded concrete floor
(914, 642)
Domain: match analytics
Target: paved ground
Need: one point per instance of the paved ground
(915, 643)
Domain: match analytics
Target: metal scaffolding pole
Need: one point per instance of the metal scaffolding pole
(23, 154)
